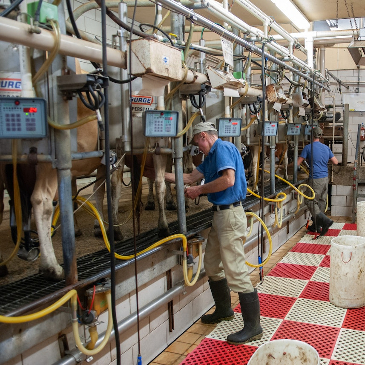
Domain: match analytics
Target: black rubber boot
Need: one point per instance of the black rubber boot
(252, 330)
(222, 299)
(324, 222)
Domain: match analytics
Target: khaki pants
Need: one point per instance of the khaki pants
(224, 253)
(320, 187)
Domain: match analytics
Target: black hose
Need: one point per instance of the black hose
(37, 12)
(77, 33)
(160, 30)
(9, 9)
(108, 186)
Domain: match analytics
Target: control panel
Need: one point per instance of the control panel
(160, 123)
(23, 117)
(293, 129)
(307, 129)
(270, 129)
(229, 127)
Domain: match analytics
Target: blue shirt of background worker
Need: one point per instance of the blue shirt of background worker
(321, 155)
(224, 155)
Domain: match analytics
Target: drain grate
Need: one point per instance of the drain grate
(282, 286)
(213, 352)
(316, 312)
(311, 248)
(347, 347)
(293, 271)
(322, 338)
(302, 258)
(225, 328)
(316, 291)
(322, 274)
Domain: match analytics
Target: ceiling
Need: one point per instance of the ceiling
(314, 10)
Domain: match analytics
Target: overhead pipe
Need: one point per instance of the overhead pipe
(198, 19)
(16, 32)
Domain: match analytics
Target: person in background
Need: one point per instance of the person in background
(321, 155)
(224, 260)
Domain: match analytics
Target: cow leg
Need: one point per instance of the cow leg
(255, 156)
(116, 192)
(170, 204)
(150, 198)
(285, 163)
(99, 192)
(42, 198)
(160, 168)
(78, 231)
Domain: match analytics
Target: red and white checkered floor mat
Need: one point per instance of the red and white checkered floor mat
(294, 302)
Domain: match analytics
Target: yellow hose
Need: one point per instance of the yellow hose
(189, 124)
(75, 327)
(185, 264)
(253, 118)
(251, 226)
(57, 35)
(93, 337)
(31, 317)
(268, 236)
(77, 124)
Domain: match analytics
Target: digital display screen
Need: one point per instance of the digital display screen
(30, 110)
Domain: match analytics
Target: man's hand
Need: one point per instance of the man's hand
(192, 192)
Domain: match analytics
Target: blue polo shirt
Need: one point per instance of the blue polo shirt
(224, 155)
(321, 155)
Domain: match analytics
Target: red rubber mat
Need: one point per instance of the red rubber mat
(355, 319)
(311, 248)
(331, 232)
(350, 227)
(294, 304)
(213, 352)
(293, 271)
(325, 262)
(316, 290)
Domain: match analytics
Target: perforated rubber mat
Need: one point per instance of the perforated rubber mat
(294, 302)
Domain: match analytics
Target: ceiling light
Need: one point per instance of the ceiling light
(293, 13)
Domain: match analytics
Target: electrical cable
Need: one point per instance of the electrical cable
(10, 8)
(112, 303)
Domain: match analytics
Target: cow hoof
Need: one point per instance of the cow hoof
(97, 232)
(150, 206)
(78, 232)
(171, 206)
(162, 233)
(30, 255)
(3, 271)
(53, 273)
(118, 236)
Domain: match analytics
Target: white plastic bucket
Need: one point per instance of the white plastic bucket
(285, 352)
(347, 271)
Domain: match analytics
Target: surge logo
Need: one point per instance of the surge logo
(7, 84)
(10, 84)
(142, 100)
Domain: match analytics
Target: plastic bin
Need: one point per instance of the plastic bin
(285, 352)
(347, 272)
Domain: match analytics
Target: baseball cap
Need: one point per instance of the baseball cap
(203, 127)
(317, 131)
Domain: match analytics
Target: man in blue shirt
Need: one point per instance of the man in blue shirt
(321, 155)
(224, 260)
